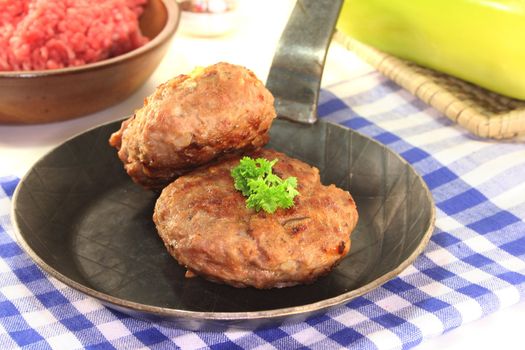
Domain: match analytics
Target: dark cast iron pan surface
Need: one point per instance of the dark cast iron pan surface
(82, 219)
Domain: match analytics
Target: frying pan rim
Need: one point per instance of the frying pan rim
(163, 312)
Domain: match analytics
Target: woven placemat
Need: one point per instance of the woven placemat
(482, 112)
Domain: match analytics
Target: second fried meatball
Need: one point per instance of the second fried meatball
(205, 225)
(193, 119)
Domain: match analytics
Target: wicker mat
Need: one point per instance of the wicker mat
(482, 112)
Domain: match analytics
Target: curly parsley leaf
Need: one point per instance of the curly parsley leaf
(265, 190)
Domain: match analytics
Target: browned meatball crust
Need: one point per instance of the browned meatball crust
(206, 226)
(193, 119)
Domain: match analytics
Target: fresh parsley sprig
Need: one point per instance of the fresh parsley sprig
(265, 190)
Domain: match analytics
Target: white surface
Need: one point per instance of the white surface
(501, 330)
(252, 45)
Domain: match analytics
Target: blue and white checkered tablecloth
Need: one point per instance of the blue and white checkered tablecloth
(473, 265)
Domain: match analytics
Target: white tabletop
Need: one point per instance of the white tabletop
(251, 45)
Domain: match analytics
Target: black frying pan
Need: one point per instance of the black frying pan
(80, 217)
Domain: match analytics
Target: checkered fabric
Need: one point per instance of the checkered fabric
(473, 265)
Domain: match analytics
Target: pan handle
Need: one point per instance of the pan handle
(297, 66)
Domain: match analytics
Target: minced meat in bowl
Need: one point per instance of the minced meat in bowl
(61, 59)
(52, 34)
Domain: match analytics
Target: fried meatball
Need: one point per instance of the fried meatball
(206, 226)
(193, 119)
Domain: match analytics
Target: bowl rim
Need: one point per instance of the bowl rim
(172, 22)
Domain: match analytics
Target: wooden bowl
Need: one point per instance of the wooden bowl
(60, 94)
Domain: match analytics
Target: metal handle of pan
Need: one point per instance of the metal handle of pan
(297, 66)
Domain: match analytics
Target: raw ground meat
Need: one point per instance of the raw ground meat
(50, 34)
